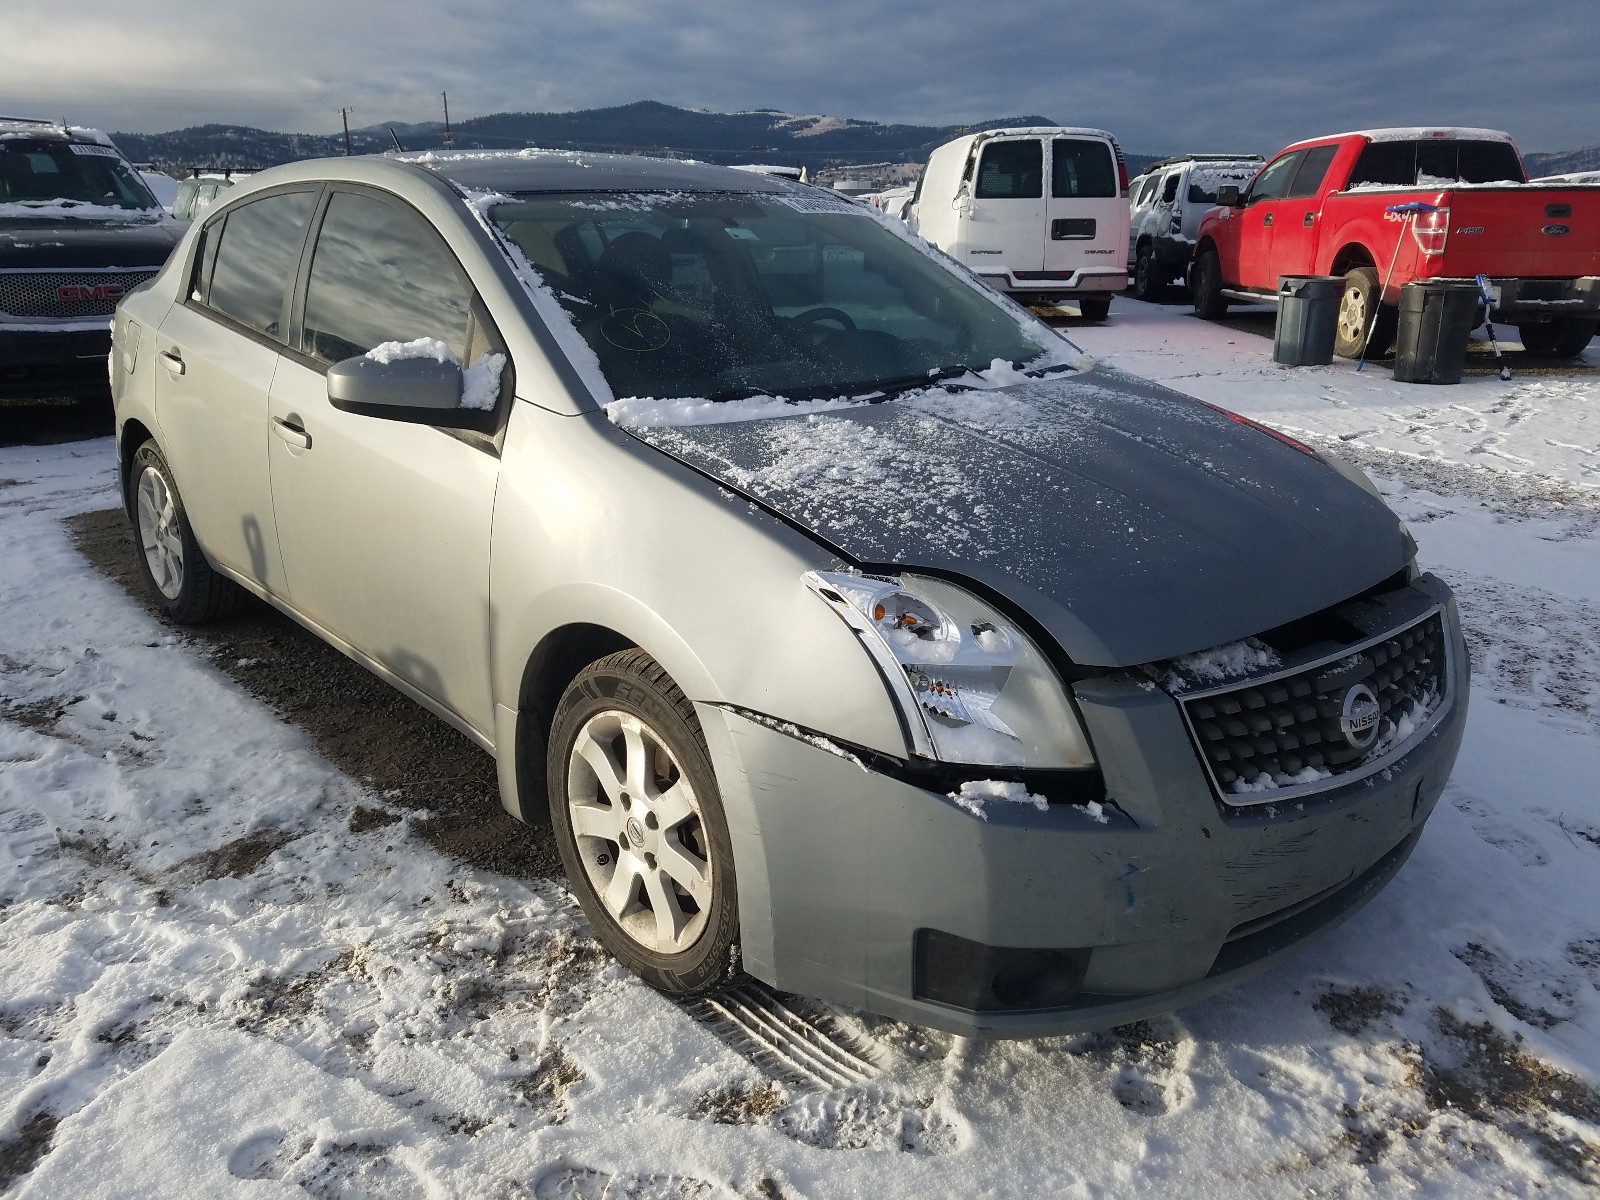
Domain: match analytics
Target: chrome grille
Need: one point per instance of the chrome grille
(67, 293)
(1284, 735)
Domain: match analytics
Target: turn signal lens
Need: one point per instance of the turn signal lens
(1430, 230)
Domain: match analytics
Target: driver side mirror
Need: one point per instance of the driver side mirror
(422, 391)
(1228, 195)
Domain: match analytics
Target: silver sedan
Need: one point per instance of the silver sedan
(852, 629)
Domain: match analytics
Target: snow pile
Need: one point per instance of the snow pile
(74, 210)
(975, 793)
(1205, 668)
(480, 383)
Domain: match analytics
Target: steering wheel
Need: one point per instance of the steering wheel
(812, 315)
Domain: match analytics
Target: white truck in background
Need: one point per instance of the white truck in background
(1041, 213)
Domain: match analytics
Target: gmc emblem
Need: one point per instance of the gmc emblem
(79, 291)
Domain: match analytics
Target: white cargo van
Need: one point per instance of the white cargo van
(1040, 213)
(1166, 204)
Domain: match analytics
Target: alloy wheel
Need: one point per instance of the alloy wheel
(637, 825)
(159, 532)
(1353, 315)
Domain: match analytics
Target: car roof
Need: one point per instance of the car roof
(533, 170)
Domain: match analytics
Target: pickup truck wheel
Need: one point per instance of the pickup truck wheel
(1147, 285)
(1096, 308)
(1565, 337)
(638, 819)
(1361, 291)
(181, 581)
(1205, 287)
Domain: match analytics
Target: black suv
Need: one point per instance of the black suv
(78, 230)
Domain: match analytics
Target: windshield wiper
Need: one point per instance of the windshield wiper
(1041, 372)
(905, 383)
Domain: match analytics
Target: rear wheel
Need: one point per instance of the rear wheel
(1565, 337)
(1205, 287)
(638, 819)
(1361, 292)
(182, 582)
(1147, 283)
(1096, 308)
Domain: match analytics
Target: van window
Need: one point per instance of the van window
(256, 258)
(1274, 181)
(381, 274)
(1081, 168)
(1308, 179)
(1169, 192)
(1011, 171)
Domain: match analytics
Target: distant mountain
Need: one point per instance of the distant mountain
(1562, 162)
(647, 127)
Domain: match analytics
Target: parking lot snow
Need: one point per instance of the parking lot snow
(230, 967)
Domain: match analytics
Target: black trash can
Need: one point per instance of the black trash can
(1308, 319)
(1436, 323)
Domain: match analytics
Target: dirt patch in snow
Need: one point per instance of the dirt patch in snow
(1356, 1009)
(741, 1103)
(21, 1153)
(236, 859)
(359, 723)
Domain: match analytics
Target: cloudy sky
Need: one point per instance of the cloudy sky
(1164, 75)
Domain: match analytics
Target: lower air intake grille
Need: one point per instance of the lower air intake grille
(1301, 731)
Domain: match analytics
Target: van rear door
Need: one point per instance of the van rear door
(1086, 216)
(1008, 207)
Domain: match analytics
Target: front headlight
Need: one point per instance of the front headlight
(971, 687)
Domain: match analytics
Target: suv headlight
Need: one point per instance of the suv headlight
(970, 686)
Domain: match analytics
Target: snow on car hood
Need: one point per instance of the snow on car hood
(1132, 522)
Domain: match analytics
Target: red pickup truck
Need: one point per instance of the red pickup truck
(1322, 207)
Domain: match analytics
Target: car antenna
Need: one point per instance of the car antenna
(397, 144)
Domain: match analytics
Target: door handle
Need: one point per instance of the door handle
(1267, 220)
(292, 431)
(1309, 220)
(173, 361)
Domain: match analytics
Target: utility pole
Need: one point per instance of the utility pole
(449, 142)
(344, 113)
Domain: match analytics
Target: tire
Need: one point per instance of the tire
(182, 583)
(1147, 282)
(631, 786)
(1564, 337)
(1205, 287)
(1361, 286)
(1094, 308)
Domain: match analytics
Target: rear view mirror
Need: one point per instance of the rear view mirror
(420, 390)
(1228, 195)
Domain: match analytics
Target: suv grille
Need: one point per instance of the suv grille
(1286, 735)
(67, 293)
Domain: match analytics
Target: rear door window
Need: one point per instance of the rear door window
(1011, 171)
(1169, 191)
(256, 257)
(1081, 167)
(380, 274)
(1315, 164)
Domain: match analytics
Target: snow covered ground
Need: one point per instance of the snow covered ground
(231, 969)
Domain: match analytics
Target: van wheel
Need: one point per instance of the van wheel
(1146, 285)
(1564, 337)
(1205, 287)
(1096, 308)
(638, 820)
(1361, 292)
(181, 581)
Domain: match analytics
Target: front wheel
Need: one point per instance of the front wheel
(639, 823)
(183, 584)
(1361, 293)
(1096, 308)
(1147, 283)
(1564, 337)
(1205, 287)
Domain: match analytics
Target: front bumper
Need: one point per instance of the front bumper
(1171, 899)
(41, 358)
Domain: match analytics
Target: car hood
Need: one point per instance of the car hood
(63, 243)
(1132, 522)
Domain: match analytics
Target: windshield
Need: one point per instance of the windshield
(42, 174)
(722, 296)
